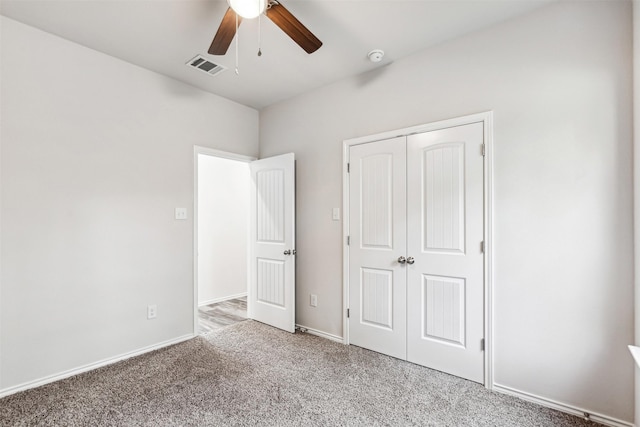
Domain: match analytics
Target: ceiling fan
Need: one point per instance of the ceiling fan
(275, 11)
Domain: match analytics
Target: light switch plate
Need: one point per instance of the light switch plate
(152, 311)
(336, 214)
(181, 213)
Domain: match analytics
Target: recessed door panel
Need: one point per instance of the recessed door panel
(443, 198)
(376, 194)
(443, 309)
(376, 290)
(270, 205)
(271, 286)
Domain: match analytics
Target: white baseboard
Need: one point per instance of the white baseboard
(91, 366)
(562, 407)
(320, 334)
(215, 300)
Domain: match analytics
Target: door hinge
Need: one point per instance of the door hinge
(482, 246)
(348, 167)
(482, 344)
(348, 240)
(348, 313)
(484, 150)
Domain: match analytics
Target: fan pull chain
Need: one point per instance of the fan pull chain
(237, 37)
(259, 34)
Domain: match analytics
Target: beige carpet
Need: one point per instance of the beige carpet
(249, 374)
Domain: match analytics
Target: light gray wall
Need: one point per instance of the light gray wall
(636, 188)
(223, 227)
(559, 81)
(96, 154)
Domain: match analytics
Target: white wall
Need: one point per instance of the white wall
(559, 81)
(96, 154)
(636, 188)
(223, 207)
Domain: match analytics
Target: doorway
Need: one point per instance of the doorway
(221, 238)
(417, 253)
(244, 236)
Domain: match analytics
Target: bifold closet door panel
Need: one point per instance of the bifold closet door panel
(377, 227)
(445, 288)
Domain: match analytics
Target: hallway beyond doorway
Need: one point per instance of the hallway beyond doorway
(220, 314)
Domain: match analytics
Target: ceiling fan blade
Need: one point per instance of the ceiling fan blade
(293, 28)
(226, 33)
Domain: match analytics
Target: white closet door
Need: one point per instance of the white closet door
(445, 313)
(377, 281)
(271, 298)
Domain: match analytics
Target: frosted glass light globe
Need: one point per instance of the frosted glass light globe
(248, 9)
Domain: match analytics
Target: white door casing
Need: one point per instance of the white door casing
(271, 296)
(445, 314)
(378, 238)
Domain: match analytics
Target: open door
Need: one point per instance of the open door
(271, 297)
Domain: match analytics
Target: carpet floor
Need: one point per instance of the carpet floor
(249, 374)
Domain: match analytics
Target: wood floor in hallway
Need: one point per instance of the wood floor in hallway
(220, 314)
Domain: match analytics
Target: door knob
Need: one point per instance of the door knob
(410, 260)
(402, 259)
(287, 252)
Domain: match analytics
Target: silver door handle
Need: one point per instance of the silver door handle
(402, 259)
(287, 252)
(410, 260)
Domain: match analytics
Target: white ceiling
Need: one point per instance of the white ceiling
(162, 35)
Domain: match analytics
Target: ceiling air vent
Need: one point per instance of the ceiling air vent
(203, 64)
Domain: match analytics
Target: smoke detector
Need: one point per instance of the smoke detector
(375, 55)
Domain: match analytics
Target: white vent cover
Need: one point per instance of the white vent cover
(201, 63)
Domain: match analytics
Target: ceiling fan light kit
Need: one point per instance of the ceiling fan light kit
(248, 9)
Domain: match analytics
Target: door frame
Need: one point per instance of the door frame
(487, 119)
(197, 150)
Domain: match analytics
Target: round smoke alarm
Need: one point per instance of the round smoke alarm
(375, 55)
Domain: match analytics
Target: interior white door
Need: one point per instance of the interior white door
(271, 296)
(445, 312)
(377, 280)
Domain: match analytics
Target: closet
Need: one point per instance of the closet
(416, 248)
